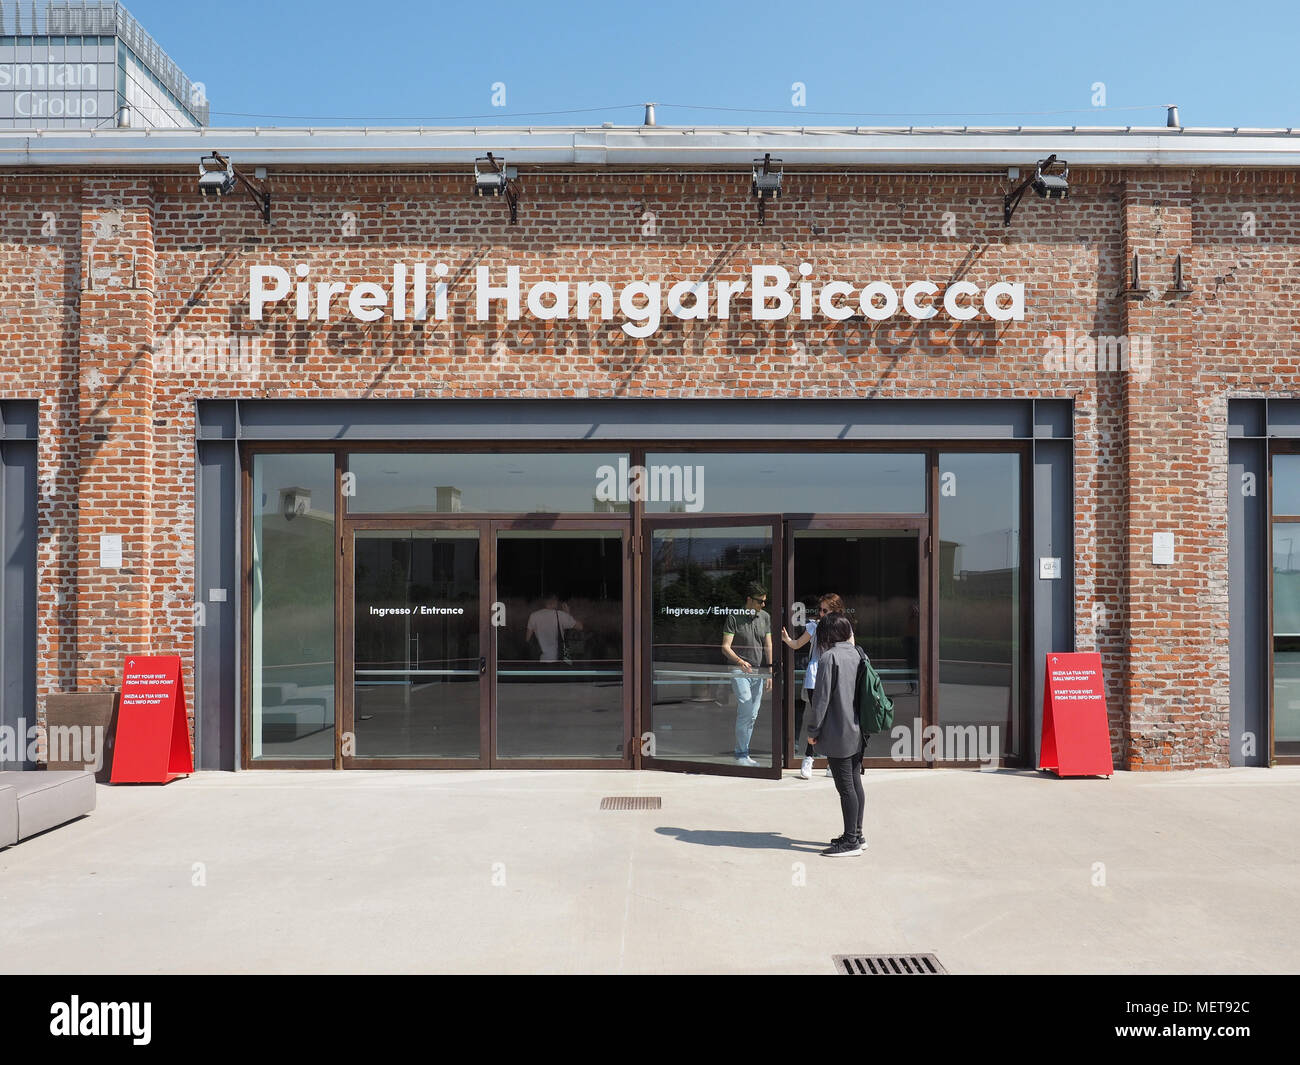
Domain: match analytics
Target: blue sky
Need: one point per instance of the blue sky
(402, 62)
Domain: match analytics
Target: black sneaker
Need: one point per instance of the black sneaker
(843, 849)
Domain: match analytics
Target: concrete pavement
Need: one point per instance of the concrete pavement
(520, 871)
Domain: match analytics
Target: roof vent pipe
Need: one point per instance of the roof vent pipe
(1172, 121)
(649, 115)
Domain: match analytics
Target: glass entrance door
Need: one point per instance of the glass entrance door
(562, 644)
(711, 692)
(879, 574)
(414, 662)
(473, 643)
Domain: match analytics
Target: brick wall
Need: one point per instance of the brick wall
(103, 277)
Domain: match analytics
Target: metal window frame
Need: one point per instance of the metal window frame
(19, 520)
(1040, 429)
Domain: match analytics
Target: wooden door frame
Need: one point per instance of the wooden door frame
(902, 523)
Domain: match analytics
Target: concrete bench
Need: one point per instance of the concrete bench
(33, 801)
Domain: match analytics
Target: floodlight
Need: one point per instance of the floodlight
(218, 177)
(492, 178)
(1049, 186)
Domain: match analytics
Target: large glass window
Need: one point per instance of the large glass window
(571, 482)
(294, 546)
(1286, 632)
(1286, 604)
(1286, 484)
(812, 482)
(979, 599)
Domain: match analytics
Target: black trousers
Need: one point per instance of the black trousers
(848, 782)
(800, 705)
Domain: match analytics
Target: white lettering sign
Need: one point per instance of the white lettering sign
(642, 303)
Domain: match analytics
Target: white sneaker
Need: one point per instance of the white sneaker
(829, 773)
(746, 760)
(805, 769)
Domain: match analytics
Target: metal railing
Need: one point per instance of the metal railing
(80, 18)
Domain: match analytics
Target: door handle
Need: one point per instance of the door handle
(482, 663)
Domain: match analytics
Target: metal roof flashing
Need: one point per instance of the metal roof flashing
(664, 146)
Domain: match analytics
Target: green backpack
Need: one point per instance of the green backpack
(874, 709)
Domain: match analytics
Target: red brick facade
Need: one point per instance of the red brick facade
(98, 270)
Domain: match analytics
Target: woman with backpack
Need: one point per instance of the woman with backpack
(830, 603)
(833, 729)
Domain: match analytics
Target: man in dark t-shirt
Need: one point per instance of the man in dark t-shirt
(747, 646)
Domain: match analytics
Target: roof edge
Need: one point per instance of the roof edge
(656, 146)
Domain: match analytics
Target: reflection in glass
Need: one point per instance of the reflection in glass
(293, 607)
(821, 482)
(704, 709)
(417, 644)
(877, 574)
(979, 597)
(560, 651)
(1286, 635)
(1286, 484)
(542, 483)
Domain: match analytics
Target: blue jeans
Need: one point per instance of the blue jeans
(749, 698)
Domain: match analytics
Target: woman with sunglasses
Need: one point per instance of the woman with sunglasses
(830, 603)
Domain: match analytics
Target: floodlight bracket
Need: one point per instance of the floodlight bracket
(766, 183)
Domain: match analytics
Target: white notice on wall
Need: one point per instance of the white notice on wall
(110, 551)
(1049, 569)
(1162, 549)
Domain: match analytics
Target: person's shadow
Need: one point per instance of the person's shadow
(771, 841)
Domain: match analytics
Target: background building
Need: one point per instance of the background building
(322, 516)
(68, 64)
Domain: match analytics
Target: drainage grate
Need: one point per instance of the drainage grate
(889, 965)
(631, 802)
